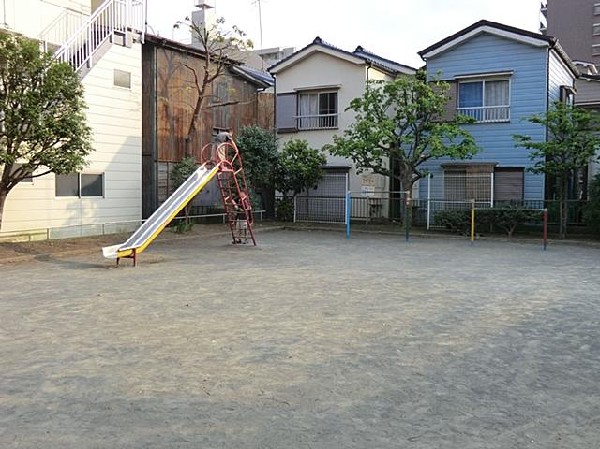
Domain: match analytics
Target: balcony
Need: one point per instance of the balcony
(317, 121)
(487, 114)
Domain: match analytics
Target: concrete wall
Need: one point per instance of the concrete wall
(572, 22)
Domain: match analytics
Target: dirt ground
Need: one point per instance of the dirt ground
(15, 252)
(308, 340)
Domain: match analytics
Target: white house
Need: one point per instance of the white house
(314, 87)
(103, 41)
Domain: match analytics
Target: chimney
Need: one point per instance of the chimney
(205, 16)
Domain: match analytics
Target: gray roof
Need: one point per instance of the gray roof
(380, 62)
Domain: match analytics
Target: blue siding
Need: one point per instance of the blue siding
(528, 95)
(559, 75)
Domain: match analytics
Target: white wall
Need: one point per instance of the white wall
(318, 70)
(32, 17)
(115, 116)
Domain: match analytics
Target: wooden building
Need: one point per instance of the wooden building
(168, 100)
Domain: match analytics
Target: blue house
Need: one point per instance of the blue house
(500, 76)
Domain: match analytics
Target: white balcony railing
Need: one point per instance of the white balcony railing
(61, 28)
(317, 121)
(113, 16)
(487, 114)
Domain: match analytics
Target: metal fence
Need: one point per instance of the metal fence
(443, 193)
(326, 203)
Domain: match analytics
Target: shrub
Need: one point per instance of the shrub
(591, 214)
(454, 220)
(285, 209)
(505, 218)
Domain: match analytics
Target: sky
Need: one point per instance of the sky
(394, 29)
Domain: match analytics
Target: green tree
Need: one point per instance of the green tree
(258, 148)
(591, 214)
(398, 127)
(571, 145)
(298, 168)
(42, 120)
(180, 172)
(259, 152)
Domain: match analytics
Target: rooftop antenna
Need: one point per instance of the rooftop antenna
(257, 2)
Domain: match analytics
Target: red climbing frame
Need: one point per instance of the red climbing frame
(234, 188)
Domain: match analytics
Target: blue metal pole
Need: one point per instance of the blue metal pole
(348, 207)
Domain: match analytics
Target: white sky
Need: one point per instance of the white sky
(395, 29)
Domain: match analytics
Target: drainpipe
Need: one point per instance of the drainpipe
(5, 23)
(275, 105)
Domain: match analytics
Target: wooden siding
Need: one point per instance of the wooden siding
(528, 95)
(169, 98)
(171, 88)
(175, 98)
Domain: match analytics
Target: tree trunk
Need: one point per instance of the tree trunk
(3, 196)
(564, 194)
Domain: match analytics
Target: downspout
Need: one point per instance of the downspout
(275, 105)
(5, 23)
(155, 126)
(545, 184)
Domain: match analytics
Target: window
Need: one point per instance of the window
(466, 182)
(317, 110)
(79, 185)
(508, 184)
(567, 95)
(597, 9)
(595, 49)
(122, 78)
(285, 112)
(485, 101)
(596, 29)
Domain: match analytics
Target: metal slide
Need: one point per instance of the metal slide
(150, 229)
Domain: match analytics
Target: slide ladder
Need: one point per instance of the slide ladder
(234, 193)
(220, 160)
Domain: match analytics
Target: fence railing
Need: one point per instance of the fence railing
(61, 28)
(117, 227)
(112, 16)
(487, 114)
(317, 121)
(385, 207)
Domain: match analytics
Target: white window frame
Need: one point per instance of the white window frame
(312, 121)
(122, 79)
(79, 186)
(597, 9)
(483, 113)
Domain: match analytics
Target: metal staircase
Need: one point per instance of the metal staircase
(115, 21)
